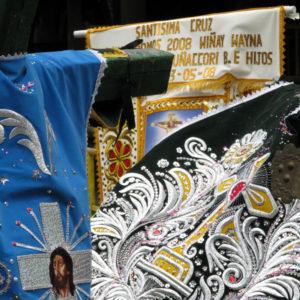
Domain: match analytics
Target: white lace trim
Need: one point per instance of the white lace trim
(97, 84)
(9, 56)
(101, 72)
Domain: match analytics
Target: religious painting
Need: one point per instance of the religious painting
(161, 124)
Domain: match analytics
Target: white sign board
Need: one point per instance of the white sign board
(247, 44)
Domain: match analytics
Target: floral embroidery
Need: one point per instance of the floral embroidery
(163, 163)
(29, 87)
(179, 150)
(242, 149)
(119, 157)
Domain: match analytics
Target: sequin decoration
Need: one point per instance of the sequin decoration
(28, 87)
(36, 174)
(3, 180)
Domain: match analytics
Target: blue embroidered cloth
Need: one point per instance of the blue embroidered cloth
(44, 107)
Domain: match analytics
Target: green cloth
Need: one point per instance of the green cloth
(143, 72)
(147, 72)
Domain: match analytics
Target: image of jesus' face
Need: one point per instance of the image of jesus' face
(61, 273)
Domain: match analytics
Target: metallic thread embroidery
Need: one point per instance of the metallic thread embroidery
(50, 138)
(23, 127)
(34, 268)
(5, 278)
(208, 230)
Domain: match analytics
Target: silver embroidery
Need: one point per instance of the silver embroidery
(34, 268)
(24, 127)
(50, 138)
(1, 134)
(34, 271)
(52, 224)
(217, 221)
(5, 278)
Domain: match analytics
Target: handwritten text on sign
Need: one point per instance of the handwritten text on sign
(245, 44)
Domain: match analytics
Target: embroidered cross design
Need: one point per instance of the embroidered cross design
(34, 268)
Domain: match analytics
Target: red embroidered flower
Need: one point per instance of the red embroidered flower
(119, 158)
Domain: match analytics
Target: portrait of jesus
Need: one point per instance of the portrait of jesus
(61, 273)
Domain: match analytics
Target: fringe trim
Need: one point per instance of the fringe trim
(14, 56)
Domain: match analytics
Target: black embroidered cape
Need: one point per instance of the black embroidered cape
(196, 218)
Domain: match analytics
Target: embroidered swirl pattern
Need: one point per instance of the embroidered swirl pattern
(198, 228)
